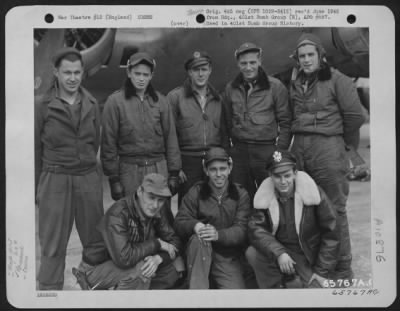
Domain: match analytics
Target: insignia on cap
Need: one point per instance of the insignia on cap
(246, 45)
(196, 54)
(277, 156)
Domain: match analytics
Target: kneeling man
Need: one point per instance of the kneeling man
(212, 219)
(140, 241)
(292, 230)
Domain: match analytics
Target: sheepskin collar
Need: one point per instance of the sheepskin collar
(306, 190)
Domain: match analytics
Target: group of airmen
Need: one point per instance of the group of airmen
(260, 173)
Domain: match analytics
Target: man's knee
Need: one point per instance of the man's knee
(253, 256)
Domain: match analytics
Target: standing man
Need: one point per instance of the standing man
(258, 117)
(293, 229)
(197, 109)
(68, 183)
(327, 116)
(139, 134)
(212, 220)
(141, 244)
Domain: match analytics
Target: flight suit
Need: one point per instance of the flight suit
(326, 117)
(68, 181)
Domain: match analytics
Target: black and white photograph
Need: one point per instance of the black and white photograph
(216, 157)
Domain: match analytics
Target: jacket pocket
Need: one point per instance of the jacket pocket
(125, 130)
(184, 124)
(260, 119)
(158, 129)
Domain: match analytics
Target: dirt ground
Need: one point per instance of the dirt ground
(359, 214)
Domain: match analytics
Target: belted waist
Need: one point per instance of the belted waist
(142, 161)
(255, 142)
(58, 169)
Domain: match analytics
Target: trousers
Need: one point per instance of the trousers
(268, 274)
(249, 161)
(193, 168)
(107, 275)
(324, 158)
(61, 200)
(205, 265)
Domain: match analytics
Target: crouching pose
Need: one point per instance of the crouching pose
(142, 245)
(212, 219)
(292, 230)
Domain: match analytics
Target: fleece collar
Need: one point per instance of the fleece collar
(306, 193)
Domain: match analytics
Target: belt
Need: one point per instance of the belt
(58, 169)
(254, 142)
(140, 161)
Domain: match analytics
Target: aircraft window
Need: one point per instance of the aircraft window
(127, 52)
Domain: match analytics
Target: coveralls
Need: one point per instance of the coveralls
(326, 116)
(68, 180)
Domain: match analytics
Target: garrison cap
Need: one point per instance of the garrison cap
(216, 153)
(140, 57)
(198, 58)
(61, 53)
(156, 184)
(247, 47)
(281, 160)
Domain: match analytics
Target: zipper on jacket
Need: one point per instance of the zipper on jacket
(204, 127)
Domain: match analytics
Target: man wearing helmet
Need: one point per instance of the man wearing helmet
(327, 115)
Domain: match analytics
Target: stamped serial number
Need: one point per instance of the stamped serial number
(347, 283)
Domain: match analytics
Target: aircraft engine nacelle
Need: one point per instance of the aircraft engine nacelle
(98, 53)
(348, 49)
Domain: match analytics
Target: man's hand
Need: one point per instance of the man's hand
(117, 190)
(169, 248)
(173, 184)
(182, 177)
(286, 264)
(150, 266)
(321, 280)
(208, 233)
(197, 229)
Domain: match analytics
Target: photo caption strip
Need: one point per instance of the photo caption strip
(377, 291)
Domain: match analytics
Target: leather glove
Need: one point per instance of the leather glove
(117, 190)
(173, 184)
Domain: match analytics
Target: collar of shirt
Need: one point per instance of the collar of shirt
(282, 198)
(77, 100)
